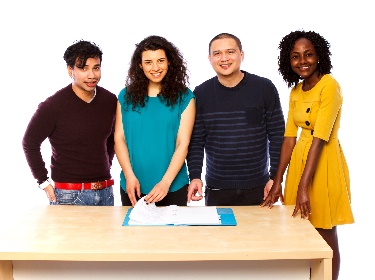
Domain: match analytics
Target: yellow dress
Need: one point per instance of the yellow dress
(317, 113)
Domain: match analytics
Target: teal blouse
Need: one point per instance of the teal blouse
(151, 134)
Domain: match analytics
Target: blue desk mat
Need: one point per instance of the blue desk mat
(226, 216)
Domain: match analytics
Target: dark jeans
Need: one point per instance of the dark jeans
(233, 197)
(178, 198)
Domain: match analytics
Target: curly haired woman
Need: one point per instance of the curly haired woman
(154, 122)
(317, 181)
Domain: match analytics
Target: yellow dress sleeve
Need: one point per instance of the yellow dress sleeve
(330, 105)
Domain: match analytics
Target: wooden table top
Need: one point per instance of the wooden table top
(95, 233)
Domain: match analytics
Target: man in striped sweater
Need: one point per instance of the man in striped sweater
(239, 129)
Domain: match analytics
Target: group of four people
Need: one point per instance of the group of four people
(161, 132)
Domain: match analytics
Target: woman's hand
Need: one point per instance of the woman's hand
(133, 189)
(158, 192)
(302, 204)
(273, 195)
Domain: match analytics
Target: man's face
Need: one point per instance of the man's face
(225, 57)
(87, 77)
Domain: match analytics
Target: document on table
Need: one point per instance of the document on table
(150, 214)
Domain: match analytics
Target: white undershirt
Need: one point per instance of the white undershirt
(93, 96)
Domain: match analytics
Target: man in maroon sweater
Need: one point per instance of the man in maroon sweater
(79, 121)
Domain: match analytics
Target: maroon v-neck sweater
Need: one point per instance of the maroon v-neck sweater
(80, 134)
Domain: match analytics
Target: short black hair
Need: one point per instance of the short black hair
(286, 45)
(81, 50)
(224, 36)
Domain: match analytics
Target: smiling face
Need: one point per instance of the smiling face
(226, 57)
(154, 65)
(87, 77)
(304, 59)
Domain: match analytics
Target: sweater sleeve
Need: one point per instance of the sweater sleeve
(39, 128)
(275, 130)
(196, 147)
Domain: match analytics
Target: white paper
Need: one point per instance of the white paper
(197, 215)
(150, 214)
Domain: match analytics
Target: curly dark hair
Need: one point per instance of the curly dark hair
(82, 50)
(175, 82)
(286, 45)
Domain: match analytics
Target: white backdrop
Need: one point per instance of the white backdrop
(35, 34)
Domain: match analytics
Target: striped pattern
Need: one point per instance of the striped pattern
(240, 129)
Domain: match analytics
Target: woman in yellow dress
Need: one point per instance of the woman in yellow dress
(317, 181)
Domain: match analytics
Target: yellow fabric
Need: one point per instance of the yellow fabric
(316, 113)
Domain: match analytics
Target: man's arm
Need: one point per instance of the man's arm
(275, 130)
(39, 128)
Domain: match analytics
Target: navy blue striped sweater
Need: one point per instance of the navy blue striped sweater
(240, 131)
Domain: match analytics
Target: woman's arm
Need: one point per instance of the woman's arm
(121, 149)
(303, 199)
(276, 191)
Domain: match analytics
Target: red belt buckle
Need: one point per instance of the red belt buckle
(96, 186)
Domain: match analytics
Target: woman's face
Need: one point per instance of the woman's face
(304, 59)
(155, 65)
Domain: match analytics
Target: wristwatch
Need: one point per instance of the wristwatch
(44, 184)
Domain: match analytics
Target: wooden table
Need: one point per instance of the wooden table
(80, 235)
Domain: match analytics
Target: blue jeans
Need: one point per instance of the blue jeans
(103, 197)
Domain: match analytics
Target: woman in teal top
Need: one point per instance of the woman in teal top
(154, 122)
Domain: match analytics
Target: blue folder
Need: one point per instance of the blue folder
(226, 216)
